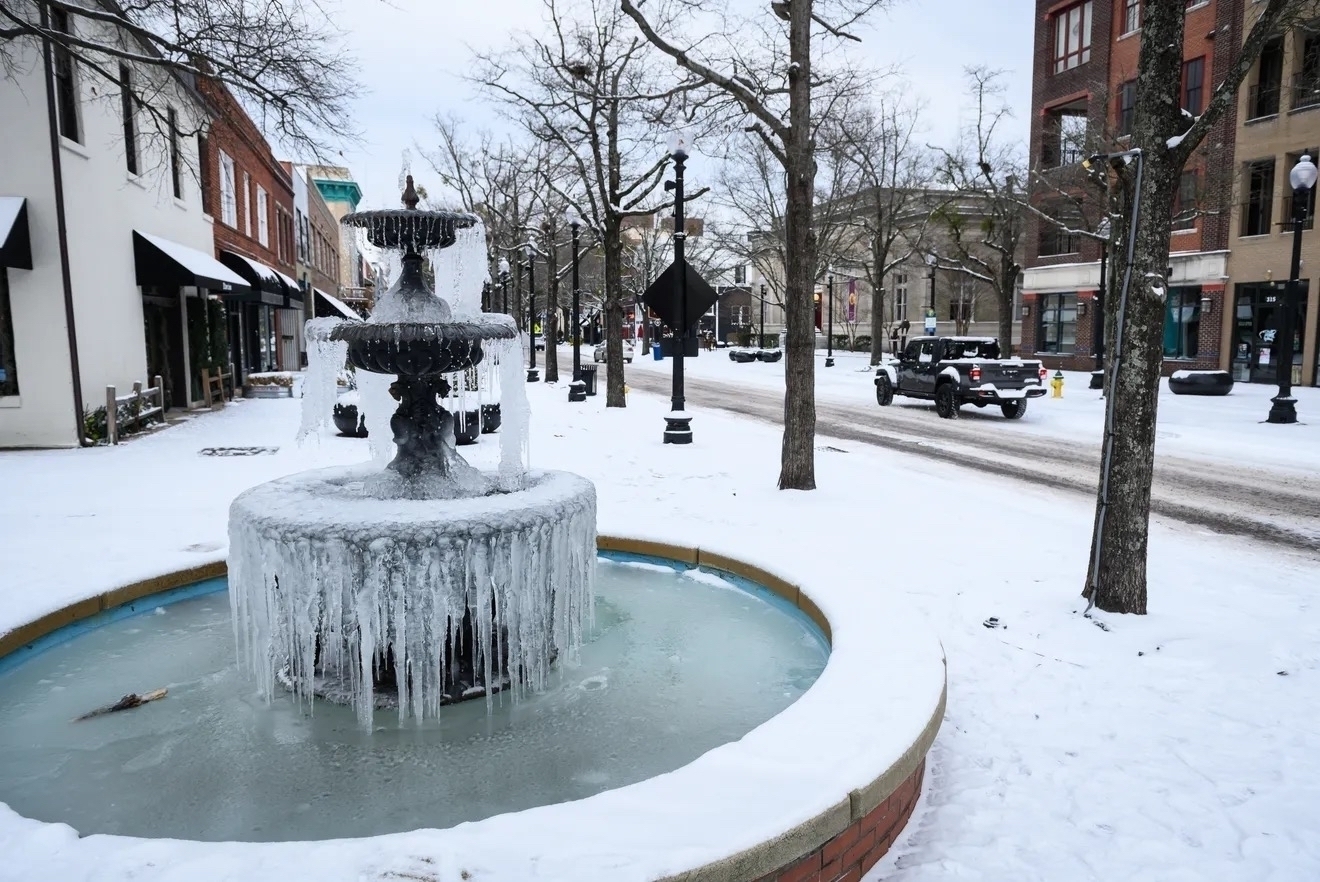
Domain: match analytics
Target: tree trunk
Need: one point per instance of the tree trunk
(879, 256)
(1123, 511)
(798, 457)
(1004, 292)
(613, 316)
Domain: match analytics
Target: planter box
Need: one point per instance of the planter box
(268, 391)
(1201, 383)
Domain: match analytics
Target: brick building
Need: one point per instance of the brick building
(1083, 101)
(250, 196)
(317, 234)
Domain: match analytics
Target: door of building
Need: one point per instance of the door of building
(163, 332)
(1255, 331)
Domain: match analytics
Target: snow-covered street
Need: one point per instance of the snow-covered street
(1179, 745)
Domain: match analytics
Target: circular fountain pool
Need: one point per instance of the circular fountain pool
(676, 664)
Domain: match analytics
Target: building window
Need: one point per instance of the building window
(900, 297)
(247, 205)
(263, 228)
(176, 159)
(1055, 240)
(1193, 85)
(204, 174)
(1058, 323)
(1185, 201)
(1308, 217)
(740, 274)
(228, 193)
(1263, 99)
(1306, 84)
(1258, 210)
(66, 84)
(8, 359)
(1072, 37)
(960, 310)
(1127, 107)
(1065, 137)
(1131, 15)
(127, 115)
(1182, 322)
(300, 229)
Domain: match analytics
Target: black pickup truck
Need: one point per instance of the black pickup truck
(954, 371)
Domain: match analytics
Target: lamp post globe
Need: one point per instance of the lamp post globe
(1283, 407)
(504, 285)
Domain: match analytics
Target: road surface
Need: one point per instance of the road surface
(1281, 507)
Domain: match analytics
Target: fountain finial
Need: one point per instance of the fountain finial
(410, 198)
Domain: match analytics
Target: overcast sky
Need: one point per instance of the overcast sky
(412, 54)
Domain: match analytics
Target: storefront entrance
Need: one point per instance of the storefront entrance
(1255, 343)
(163, 327)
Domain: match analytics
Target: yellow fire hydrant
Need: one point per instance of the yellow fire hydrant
(1057, 384)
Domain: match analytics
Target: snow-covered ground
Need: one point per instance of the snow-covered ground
(1180, 745)
(1228, 429)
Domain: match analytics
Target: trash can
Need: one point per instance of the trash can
(656, 353)
(588, 374)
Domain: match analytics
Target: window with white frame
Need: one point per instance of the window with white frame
(247, 205)
(1131, 15)
(263, 226)
(228, 192)
(900, 296)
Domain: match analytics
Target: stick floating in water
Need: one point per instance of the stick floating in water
(129, 701)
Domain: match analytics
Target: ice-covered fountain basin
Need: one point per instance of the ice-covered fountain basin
(675, 665)
(848, 752)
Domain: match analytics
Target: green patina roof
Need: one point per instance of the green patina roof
(333, 190)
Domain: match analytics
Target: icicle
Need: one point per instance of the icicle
(325, 364)
(515, 417)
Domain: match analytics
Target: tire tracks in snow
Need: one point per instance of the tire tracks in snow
(1273, 506)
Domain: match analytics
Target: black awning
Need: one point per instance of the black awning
(166, 263)
(15, 242)
(264, 283)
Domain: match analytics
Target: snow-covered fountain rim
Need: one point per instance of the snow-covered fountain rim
(741, 810)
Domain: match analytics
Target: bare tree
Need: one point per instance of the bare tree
(765, 66)
(283, 60)
(1166, 141)
(892, 172)
(590, 89)
(984, 214)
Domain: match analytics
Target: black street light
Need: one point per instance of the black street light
(533, 375)
(678, 423)
(577, 390)
(760, 344)
(1283, 408)
(504, 285)
(931, 324)
(1098, 320)
(829, 333)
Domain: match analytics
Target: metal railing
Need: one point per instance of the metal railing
(1305, 91)
(1256, 217)
(1263, 100)
(1308, 222)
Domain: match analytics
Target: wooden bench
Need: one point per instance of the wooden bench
(217, 386)
(140, 405)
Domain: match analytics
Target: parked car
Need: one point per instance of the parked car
(598, 355)
(953, 371)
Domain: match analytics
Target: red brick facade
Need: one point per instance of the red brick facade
(1094, 87)
(851, 854)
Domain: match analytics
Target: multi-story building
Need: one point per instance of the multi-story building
(250, 196)
(106, 273)
(1277, 121)
(342, 194)
(1083, 101)
(316, 231)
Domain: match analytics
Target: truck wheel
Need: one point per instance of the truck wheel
(884, 392)
(1013, 410)
(946, 401)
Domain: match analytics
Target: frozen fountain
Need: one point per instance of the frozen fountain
(428, 581)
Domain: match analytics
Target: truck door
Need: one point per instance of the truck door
(924, 367)
(907, 367)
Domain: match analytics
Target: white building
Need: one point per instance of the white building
(104, 249)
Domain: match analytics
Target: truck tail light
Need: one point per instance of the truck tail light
(975, 373)
(1043, 374)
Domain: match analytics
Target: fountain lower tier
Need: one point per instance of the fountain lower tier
(338, 593)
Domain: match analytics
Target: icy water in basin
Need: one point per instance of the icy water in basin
(676, 665)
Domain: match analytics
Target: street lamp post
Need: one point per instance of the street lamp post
(504, 285)
(760, 343)
(829, 333)
(931, 323)
(1098, 321)
(1283, 407)
(577, 390)
(678, 424)
(533, 375)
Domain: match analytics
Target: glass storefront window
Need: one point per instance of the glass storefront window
(1182, 323)
(1256, 328)
(8, 358)
(1058, 323)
